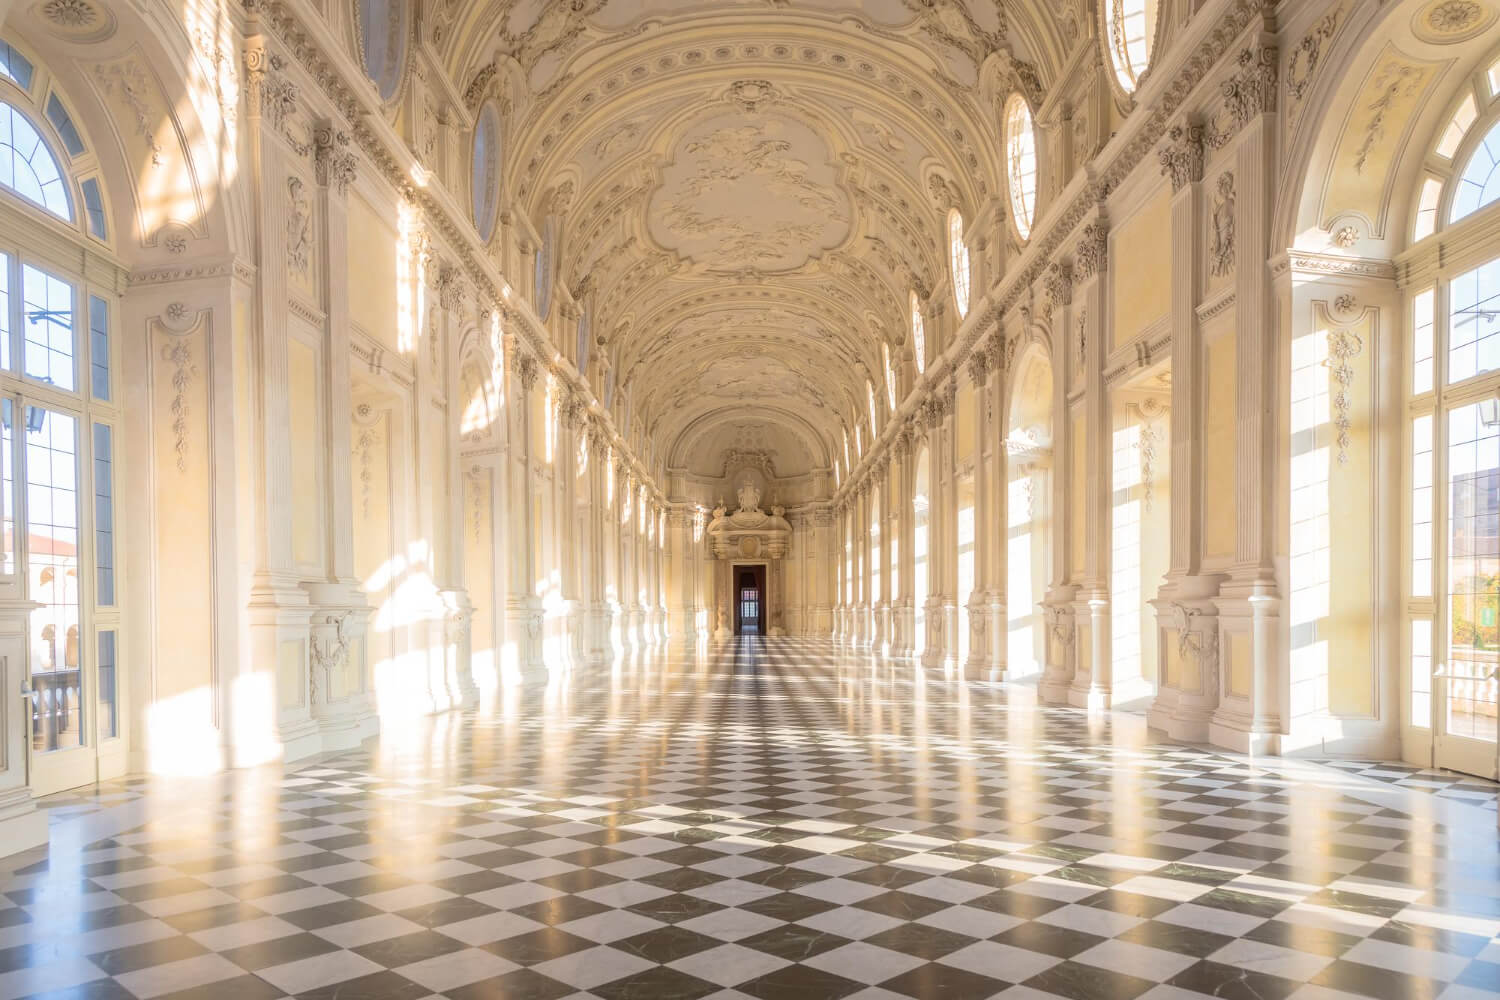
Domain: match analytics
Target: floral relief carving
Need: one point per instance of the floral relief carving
(1454, 17)
(128, 79)
(178, 353)
(70, 13)
(1396, 83)
(1221, 240)
(1182, 155)
(1092, 254)
(329, 652)
(1343, 347)
(1303, 62)
(333, 158)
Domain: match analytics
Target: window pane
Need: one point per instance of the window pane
(1421, 507)
(52, 575)
(15, 66)
(109, 700)
(104, 512)
(8, 486)
(63, 122)
(99, 346)
(1020, 163)
(1421, 372)
(1427, 206)
(1474, 322)
(1479, 184)
(93, 206)
(1421, 673)
(48, 310)
(5, 311)
(28, 167)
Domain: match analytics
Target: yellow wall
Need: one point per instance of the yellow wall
(372, 272)
(1219, 503)
(1240, 667)
(964, 418)
(1078, 500)
(183, 563)
(307, 513)
(1141, 268)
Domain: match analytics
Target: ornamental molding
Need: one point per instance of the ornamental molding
(177, 352)
(1217, 306)
(1317, 264)
(1302, 63)
(1343, 347)
(1181, 156)
(1091, 255)
(1197, 640)
(334, 159)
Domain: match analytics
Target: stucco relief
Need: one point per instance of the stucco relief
(749, 192)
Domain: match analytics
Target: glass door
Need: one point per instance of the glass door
(62, 696)
(1467, 680)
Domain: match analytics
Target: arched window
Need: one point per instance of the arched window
(59, 428)
(846, 448)
(1452, 435)
(1463, 167)
(870, 392)
(918, 331)
(383, 31)
(958, 261)
(485, 170)
(27, 166)
(1131, 28)
(1020, 163)
(890, 375)
(1479, 183)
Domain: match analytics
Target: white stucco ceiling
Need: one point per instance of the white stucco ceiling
(752, 186)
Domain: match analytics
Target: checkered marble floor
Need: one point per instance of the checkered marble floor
(771, 819)
(1440, 782)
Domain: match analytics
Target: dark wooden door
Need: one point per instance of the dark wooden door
(750, 600)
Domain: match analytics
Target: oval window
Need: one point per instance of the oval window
(1020, 163)
(485, 175)
(384, 26)
(1131, 27)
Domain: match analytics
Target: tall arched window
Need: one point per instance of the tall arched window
(484, 176)
(958, 261)
(1130, 26)
(918, 331)
(27, 166)
(890, 375)
(870, 393)
(1452, 441)
(59, 434)
(1020, 164)
(384, 26)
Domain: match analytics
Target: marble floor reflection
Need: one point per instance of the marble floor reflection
(771, 819)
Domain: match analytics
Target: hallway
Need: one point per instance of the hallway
(775, 818)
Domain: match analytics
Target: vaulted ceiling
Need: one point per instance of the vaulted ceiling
(744, 191)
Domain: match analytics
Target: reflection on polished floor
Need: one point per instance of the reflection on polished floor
(774, 819)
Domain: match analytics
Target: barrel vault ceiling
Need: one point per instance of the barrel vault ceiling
(744, 191)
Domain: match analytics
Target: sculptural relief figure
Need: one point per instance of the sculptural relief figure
(749, 498)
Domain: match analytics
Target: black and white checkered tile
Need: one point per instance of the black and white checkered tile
(777, 819)
(1443, 783)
